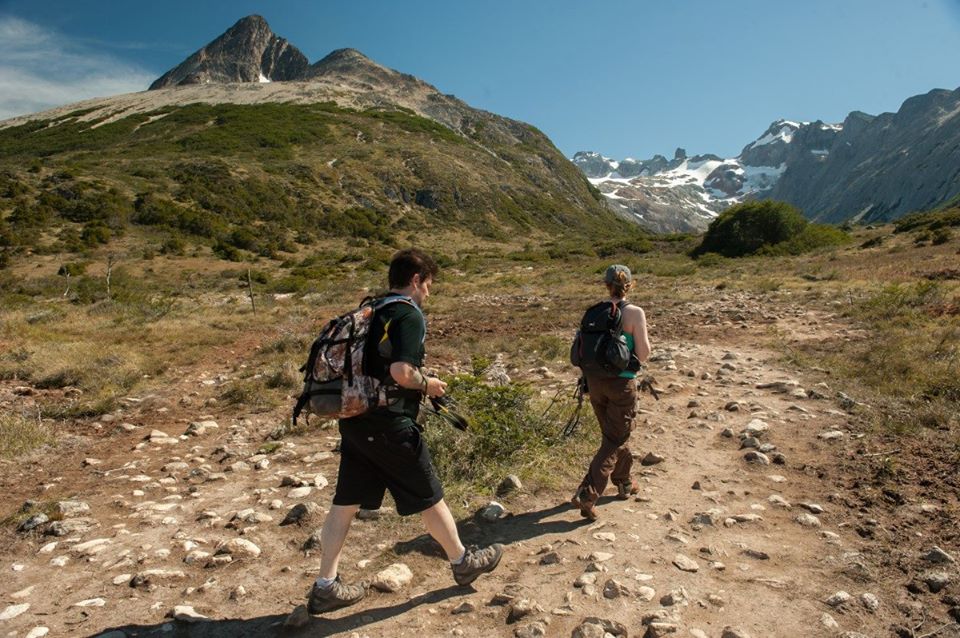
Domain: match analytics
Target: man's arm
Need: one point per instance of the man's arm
(408, 376)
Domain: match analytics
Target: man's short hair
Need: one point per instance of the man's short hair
(407, 263)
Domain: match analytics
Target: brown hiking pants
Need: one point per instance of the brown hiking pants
(614, 402)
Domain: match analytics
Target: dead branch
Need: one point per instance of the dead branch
(888, 453)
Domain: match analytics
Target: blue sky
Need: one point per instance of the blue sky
(623, 78)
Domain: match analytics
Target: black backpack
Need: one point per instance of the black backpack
(599, 347)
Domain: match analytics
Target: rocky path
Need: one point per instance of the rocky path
(198, 529)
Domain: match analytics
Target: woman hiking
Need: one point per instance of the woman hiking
(614, 397)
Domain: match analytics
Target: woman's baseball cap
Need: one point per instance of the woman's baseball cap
(611, 276)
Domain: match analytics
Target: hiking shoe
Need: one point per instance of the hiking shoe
(587, 510)
(476, 562)
(625, 490)
(335, 596)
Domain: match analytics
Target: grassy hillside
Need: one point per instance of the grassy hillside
(275, 179)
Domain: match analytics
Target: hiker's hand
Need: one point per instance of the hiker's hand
(435, 387)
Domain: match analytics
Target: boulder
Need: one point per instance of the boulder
(238, 548)
(393, 578)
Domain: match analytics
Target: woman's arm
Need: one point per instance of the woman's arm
(636, 325)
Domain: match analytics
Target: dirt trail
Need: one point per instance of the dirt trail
(155, 503)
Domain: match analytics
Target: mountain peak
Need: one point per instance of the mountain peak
(345, 60)
(345, 54)
(248, 51)
(252, 21)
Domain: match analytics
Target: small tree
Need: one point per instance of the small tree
(744, 229)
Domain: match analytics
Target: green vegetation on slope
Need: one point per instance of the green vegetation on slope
(246, 180)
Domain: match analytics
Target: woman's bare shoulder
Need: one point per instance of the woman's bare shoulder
(631, 310)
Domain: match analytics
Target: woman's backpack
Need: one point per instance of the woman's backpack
(600, 347)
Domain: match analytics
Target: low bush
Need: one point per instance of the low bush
(941, 236)
(286, 377)
(636, 245)
(928, 221)
(509, 434)
(812, 237)
(765, 227)
(359, 222)
(252, 394)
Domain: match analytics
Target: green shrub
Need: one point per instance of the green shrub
(61, 378)
(744, 229)
(929, 221)
(243, 238)
(256, 276)
(508, 434)
(251, 394)
(173, 245)
(226, 251)
(95, 233)
(570, 249)
(636, 245)
(941, 236)
(812, 237)
(108, 207)
(72, 269)
(359, 222)
(286, 377)
(711, 260)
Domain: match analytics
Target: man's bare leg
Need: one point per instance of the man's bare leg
(440, 524)
(334, 533)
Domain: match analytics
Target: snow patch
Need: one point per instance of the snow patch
(785, 135)
(264, 79)
(759, 178)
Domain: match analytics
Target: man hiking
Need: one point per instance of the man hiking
(613, 395)
(383, 450)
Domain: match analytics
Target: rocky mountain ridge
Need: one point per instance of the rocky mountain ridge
(867, 168)
(247, 52)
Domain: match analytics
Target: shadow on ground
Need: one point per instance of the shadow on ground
(521, 527)
(344, 621)
(472, 530)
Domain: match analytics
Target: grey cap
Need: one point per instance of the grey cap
(611, 276)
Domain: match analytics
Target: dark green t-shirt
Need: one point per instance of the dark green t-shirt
(396, 334)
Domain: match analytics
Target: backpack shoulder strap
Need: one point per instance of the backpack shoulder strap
(383, 302)
(616, 315)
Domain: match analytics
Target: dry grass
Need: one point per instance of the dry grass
(21, 434)
(904, 363)
(487, 302)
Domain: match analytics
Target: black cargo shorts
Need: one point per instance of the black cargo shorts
(373, 460)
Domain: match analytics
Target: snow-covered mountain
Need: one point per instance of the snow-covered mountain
(686, 193)
(869, 168)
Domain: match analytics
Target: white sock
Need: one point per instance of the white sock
(459, 560)
(325, 583)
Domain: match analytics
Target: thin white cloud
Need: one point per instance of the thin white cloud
(41, 69)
